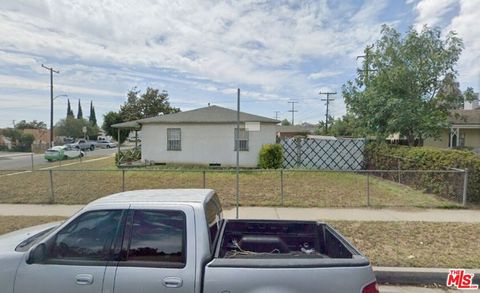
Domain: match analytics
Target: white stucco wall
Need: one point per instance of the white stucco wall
(203, 144)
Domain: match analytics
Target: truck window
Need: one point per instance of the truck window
(158, 238)
(87, 238)
(213, 214)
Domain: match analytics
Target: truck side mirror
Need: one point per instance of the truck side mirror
(37, 254)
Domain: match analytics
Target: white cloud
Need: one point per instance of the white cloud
(324, 74)
(466, 24)
(105, 47)
(432, 12)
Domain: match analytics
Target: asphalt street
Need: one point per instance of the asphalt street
(23, 161)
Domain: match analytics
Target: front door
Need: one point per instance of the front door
(76, 256)
(158, 254)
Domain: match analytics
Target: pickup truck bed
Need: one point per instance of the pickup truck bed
(270, 254)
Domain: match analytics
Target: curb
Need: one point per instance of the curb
(416, 276)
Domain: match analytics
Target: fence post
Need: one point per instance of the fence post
(465, 187)
(52, 192)
(281, 186)
(204, 179)
(31, 156)
(123, 180)
(399, 166)
(368, 189)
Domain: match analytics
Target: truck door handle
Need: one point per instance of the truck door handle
(84, 279)
(172, 282)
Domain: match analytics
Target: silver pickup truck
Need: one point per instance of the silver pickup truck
(156, 241)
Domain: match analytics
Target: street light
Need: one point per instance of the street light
(51, 118)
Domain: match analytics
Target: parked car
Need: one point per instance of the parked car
(83, 144)
(57, 153)
(105, 144)
(133, 139)
(177, 241)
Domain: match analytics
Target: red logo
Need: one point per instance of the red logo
(460, 279)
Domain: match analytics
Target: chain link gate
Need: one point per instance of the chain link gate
(323, 154)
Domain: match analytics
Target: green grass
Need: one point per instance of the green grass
(78, 183)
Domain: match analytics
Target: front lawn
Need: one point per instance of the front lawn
(82, 183)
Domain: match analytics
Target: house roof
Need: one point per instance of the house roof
(295, 129)
(459, 117)
(127, 125)
(210, 114)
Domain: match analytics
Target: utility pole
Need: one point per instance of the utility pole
(293, 111)
(237, 167)
(328, 99)
(366, 63)
(276, 114)
(51, 101)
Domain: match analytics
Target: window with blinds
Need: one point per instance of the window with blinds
(242, 139)
(174, 139)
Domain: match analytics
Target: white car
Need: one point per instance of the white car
(105, 144)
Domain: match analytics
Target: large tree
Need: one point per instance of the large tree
(72, 127)
(69, 110)
(113, 118)
(23, 124)
(79, 112)
(398, 90)
(149, 104)
(93, 117)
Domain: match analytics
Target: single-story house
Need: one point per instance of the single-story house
(289, 131)
(463, 132)
(203, 136)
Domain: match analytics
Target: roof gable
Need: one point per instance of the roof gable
(210, 114)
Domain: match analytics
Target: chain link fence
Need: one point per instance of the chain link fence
(284, 187)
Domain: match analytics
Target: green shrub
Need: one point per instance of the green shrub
(388, 157)
(271, 156)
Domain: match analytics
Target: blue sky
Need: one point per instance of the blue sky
(201, 51)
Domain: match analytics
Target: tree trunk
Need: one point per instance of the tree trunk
(411, 139)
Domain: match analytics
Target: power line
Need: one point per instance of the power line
(293, 111)
(51, 101)
(328, 102)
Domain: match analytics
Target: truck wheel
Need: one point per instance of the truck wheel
(92, 147)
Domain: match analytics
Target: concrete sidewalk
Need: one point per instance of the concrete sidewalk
(343, 214)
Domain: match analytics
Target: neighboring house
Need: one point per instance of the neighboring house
(289, 131)
(464, 131)
(203, 136)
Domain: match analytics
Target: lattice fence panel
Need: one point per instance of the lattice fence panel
(325, 154)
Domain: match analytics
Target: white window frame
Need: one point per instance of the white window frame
(174, 141)
(243, 139)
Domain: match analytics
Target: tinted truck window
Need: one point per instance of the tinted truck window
(158, 237)
(89, 237)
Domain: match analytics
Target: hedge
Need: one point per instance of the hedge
(270, 156)
(387, 157)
